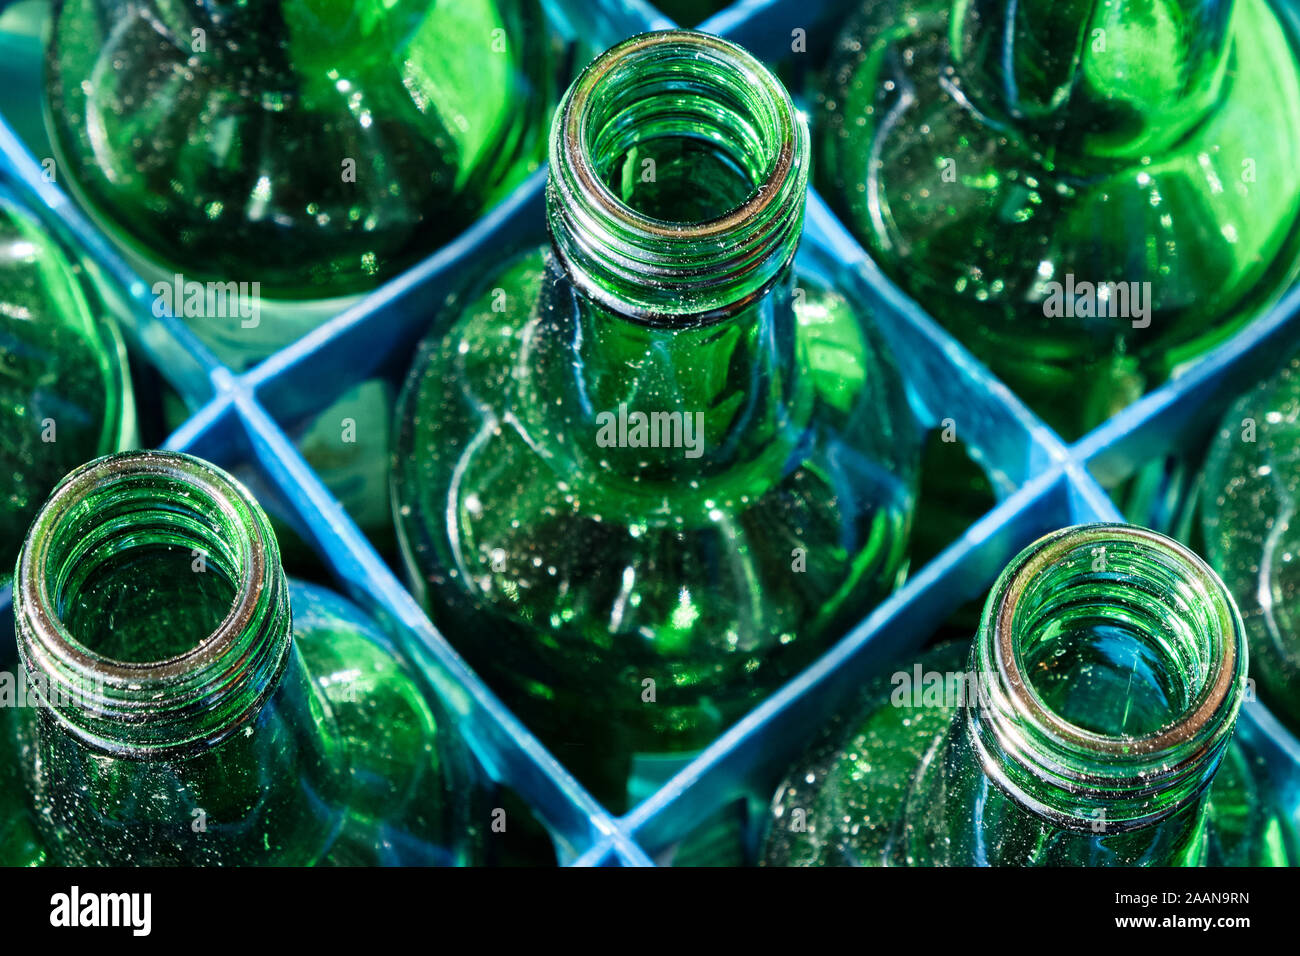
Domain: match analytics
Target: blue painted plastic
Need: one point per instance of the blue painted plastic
(243, 422)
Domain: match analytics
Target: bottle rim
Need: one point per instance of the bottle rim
(1073, 775)
(162, 707)
(663, 272)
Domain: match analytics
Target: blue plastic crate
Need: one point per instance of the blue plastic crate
(244, 421)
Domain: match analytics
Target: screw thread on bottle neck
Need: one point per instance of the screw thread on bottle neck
(658, 87)
(152, 709)
(1074, 609)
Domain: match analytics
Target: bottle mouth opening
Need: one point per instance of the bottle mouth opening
(127, 510)
(679, 170)
(1083, 612)
(1116, 659)
(679, 86)
(143, 595)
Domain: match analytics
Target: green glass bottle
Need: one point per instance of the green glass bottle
(1247, 505)
(644, 475)
(1090, 723)
(315, 148)
(176, 719)
(65, 389)
(1087, 194)
(215, 137)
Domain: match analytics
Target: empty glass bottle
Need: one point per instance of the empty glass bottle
(1091, 725)
(1248, 500)
(642, 476)
(177, 722)
(1087, 194)
(65, 390)
(314, 147)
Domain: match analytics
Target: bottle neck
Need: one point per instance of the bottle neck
(1105, 78)
(679, 171)
(648, 404)
(151, 609)
(1111, 662)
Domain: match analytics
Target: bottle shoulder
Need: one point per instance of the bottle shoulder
(408, 770)
(844, 801)
(320, 158)
(498, 371)
(491, 509)
(982, 218)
